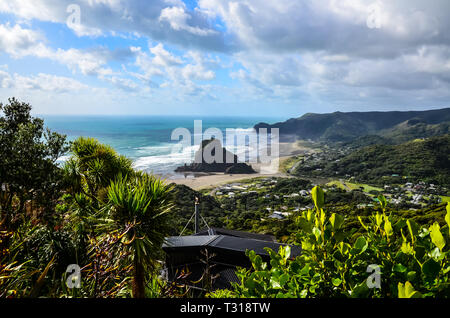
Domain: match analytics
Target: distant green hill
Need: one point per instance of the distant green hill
(420, 160)
(339, 127)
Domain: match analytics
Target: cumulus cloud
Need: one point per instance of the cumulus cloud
(178, 18)
(163, 57)
(40, 82)
(160, 68)
(344, 52)
(18, 41)
(199, 68)
(148, 18)
(335, 26)
(338, 52)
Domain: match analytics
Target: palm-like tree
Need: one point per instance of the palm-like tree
(137, 210)
(92, 167)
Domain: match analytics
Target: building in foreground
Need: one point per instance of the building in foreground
(216, 252)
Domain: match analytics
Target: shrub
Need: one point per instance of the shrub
(393, 257)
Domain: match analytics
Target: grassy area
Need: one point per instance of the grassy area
(311, 145)
(353, 186)
(288, 163)
(336, 183)
(367, 188)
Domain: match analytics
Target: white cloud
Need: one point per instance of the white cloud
(40, 82)
(160, 20)
(178, 18)
(160, 68)
(163, 57)
(287, 50)
(18, 41)
(199, 68)
(124, 84)
(336, 26)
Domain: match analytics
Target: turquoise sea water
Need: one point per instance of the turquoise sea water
(146, 139)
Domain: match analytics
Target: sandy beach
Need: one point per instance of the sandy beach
(206, 181)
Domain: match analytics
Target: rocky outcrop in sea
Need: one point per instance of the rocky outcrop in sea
(207, 161)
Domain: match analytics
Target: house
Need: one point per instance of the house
(277, 216)
(216, 251)
(227, 251)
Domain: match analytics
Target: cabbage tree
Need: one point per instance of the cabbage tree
(137, 210)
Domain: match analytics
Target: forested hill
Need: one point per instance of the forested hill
(420, 160)
(338, 126)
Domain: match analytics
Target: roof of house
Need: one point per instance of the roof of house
(226, 249)
(234, 233)
(276, 216)
(225, 242)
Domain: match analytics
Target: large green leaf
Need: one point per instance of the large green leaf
(336, 281)
(413, 228)
(336, 221)
(360, 245)
(361, 291)
(379, 219)
(318, 197)
(317, 233)
(447, 217)
(388, 226)
(436, 236)
(383, 201)
(431, 268)
(305, 225)
(407, 248)
(399, 268)
(407, 291)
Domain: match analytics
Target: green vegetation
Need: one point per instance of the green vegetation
(397, 127)
(28, 171)
(392, 257)
(427, 161)
(255, 200)
(353, 186)
(97, 212)
(287, 163)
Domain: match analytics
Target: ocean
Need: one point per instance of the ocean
(147, 139)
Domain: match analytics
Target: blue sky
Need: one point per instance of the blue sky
(225, 57)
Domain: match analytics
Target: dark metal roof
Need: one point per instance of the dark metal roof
(221, 231)
(237, 244)
(188, 241)
(227, 252)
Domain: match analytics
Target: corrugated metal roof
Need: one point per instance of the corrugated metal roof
(189, 241)
(221, 231)
(238, 244)
(243, 244)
